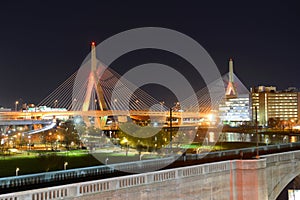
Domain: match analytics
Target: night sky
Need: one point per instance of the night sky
(42, 44)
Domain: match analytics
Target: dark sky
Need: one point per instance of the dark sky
(42, 44)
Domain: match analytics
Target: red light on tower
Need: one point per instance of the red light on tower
(93, 43)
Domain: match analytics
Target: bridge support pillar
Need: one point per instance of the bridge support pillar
(102, 122)
(97, 122)
(248, 180)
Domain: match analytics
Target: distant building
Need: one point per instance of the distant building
(44, 109)
(234, 109)
(2, 109)
(274, 105)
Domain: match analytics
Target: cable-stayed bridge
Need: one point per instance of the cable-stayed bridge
(98, 91)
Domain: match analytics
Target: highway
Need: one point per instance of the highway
(98, 113)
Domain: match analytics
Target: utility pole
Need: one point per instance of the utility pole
(171, 129)
(256, 131)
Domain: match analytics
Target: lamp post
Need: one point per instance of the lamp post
(257, 149)
(162, 103)
(50, 140)
(57, 141)
(125, 141)
(65, 165)
(95, 104)
(29, 141)
(20, 139)
(17, 170)
(74, 104)
(171, 129)
(16, 105)
(55, 103)
(126, 148)
(141, 156)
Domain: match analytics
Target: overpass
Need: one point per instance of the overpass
(99, 113)
(24, 122)
(47, 124)
(253, 179)
(100, 116)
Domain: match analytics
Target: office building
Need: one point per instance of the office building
(273, 105)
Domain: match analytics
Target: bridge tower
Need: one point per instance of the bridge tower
(93, 84)
(231, 91)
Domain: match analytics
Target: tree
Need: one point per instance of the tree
(69, 133)
(274, 123)
(146, 138)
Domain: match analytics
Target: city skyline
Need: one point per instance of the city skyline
(42, 45)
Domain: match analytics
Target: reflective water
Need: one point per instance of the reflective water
(273, 138)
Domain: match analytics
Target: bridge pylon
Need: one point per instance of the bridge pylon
(93, 83)
(231, 91)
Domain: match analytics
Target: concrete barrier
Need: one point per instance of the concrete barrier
(262, 178)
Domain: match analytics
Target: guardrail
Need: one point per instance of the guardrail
(138, 166)
(71, 174)
(91, 187)
(236, 152)
(111, 184)
(282, 157)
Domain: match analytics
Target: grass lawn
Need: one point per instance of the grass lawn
(48, 161)
(37, 162)
(43, 163)
(220, 146)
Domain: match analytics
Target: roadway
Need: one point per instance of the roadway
(98, 113)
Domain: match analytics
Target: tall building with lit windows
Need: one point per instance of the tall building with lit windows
(272, 104)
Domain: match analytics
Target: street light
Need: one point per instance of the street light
(65, 165)
(95, 104)
(55, 103)
(20, 139)
(17, 170)
(16, 105)
(58, 140)
(74, 104)
(141, 156)
(126, 146)
(29, 141)
(50, 138)
(162, 103)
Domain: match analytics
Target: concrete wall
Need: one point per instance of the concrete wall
(208, 181)
(281, 169)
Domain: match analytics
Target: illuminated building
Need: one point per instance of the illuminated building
(2, 109)
(275, 105)
(234, 109)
